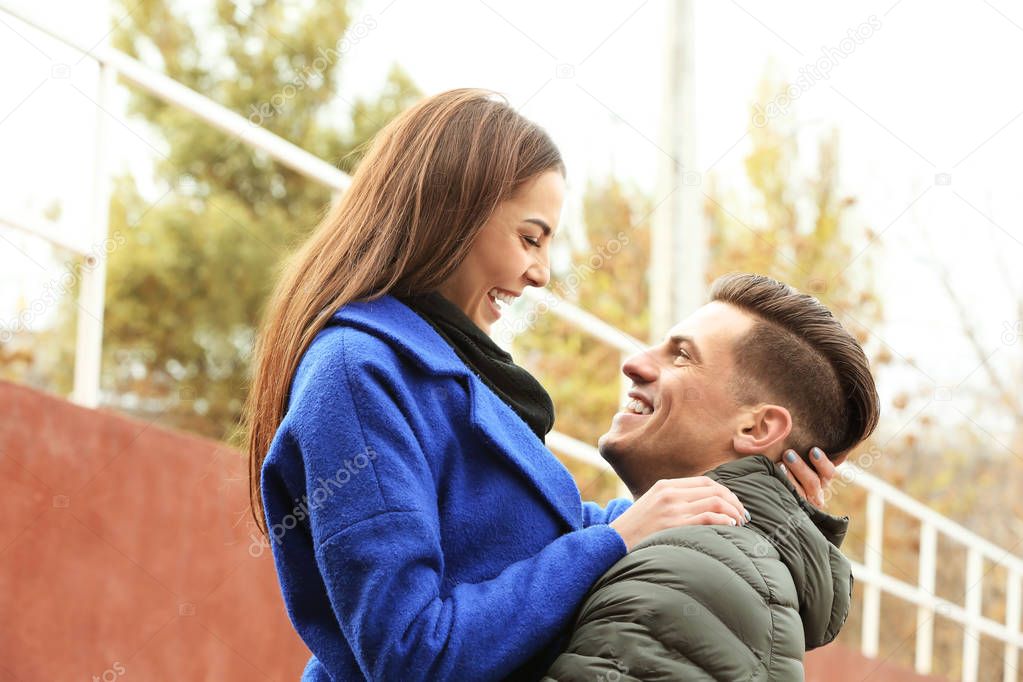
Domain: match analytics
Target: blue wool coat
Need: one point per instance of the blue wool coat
(419, 529)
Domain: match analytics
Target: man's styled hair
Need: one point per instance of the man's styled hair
(799, 356)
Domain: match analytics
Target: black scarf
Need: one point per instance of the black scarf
(492, 364)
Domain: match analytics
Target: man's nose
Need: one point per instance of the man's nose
(641, 368)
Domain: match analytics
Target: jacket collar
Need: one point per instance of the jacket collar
(496, 423)
(738, 475)
(806, 539)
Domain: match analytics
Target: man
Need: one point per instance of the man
(757, 373)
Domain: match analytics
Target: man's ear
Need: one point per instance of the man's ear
(762, 429)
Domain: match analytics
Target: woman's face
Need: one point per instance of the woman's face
(511, 251)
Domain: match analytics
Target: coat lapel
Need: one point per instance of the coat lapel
(493, 420)
(506, 433)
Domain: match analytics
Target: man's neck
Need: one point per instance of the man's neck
(688, 471)
(714, 463)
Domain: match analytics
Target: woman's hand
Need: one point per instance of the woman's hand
(810, 484)
(675, 502)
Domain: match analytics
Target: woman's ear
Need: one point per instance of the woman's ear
(762, 430)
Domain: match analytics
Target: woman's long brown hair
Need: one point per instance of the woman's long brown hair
(429, 181)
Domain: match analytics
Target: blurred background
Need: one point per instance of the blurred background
(160, 158)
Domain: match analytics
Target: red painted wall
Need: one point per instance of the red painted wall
(835, 663)
(127, 553)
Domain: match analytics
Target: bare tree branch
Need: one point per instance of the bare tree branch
(1007, 396)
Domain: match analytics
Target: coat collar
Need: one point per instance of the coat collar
(744, 473)
(497, 424)
(806, 539)
(391, 320)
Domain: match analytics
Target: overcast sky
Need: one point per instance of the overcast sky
(922, 94)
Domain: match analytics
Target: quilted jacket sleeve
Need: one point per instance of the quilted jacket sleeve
(695, 603)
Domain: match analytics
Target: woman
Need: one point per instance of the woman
(419, 527)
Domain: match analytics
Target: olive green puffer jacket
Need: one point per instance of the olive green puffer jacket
(719, 602)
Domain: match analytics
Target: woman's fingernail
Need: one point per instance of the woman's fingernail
(816, 453)
(731, 521)
(790, 456)
(748, 517)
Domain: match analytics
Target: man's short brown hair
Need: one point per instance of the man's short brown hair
(799, 356)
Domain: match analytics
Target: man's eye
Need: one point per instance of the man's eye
(682, 355)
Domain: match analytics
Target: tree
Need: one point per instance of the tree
(187, 287)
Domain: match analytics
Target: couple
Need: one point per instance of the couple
(461, 549)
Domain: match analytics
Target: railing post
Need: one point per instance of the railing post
(872, 560)
(925, 614)
(1012, 622)
(93, 269)
(974, 595)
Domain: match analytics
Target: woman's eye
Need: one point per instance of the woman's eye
(534, 242)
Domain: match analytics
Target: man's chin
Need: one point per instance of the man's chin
(613, 452)
(619, 429)
(609, 445)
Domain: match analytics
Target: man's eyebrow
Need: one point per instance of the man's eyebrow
(688, 340)
(537, 221)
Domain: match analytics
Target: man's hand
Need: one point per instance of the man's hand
(811, 484)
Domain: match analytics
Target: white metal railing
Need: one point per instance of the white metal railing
(869, 574)
(115, 64)
(41, 229)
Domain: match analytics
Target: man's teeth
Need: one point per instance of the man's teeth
(638, 407)
(502, 297)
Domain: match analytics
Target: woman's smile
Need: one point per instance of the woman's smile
(498, 299)
(495, 311)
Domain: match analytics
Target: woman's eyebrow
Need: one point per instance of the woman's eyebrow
(537, 221)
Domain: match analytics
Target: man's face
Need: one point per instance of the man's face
(685, 380)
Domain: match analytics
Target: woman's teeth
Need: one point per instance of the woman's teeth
(638, 407)
(502, 297)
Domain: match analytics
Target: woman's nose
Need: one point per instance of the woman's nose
(539, 273)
